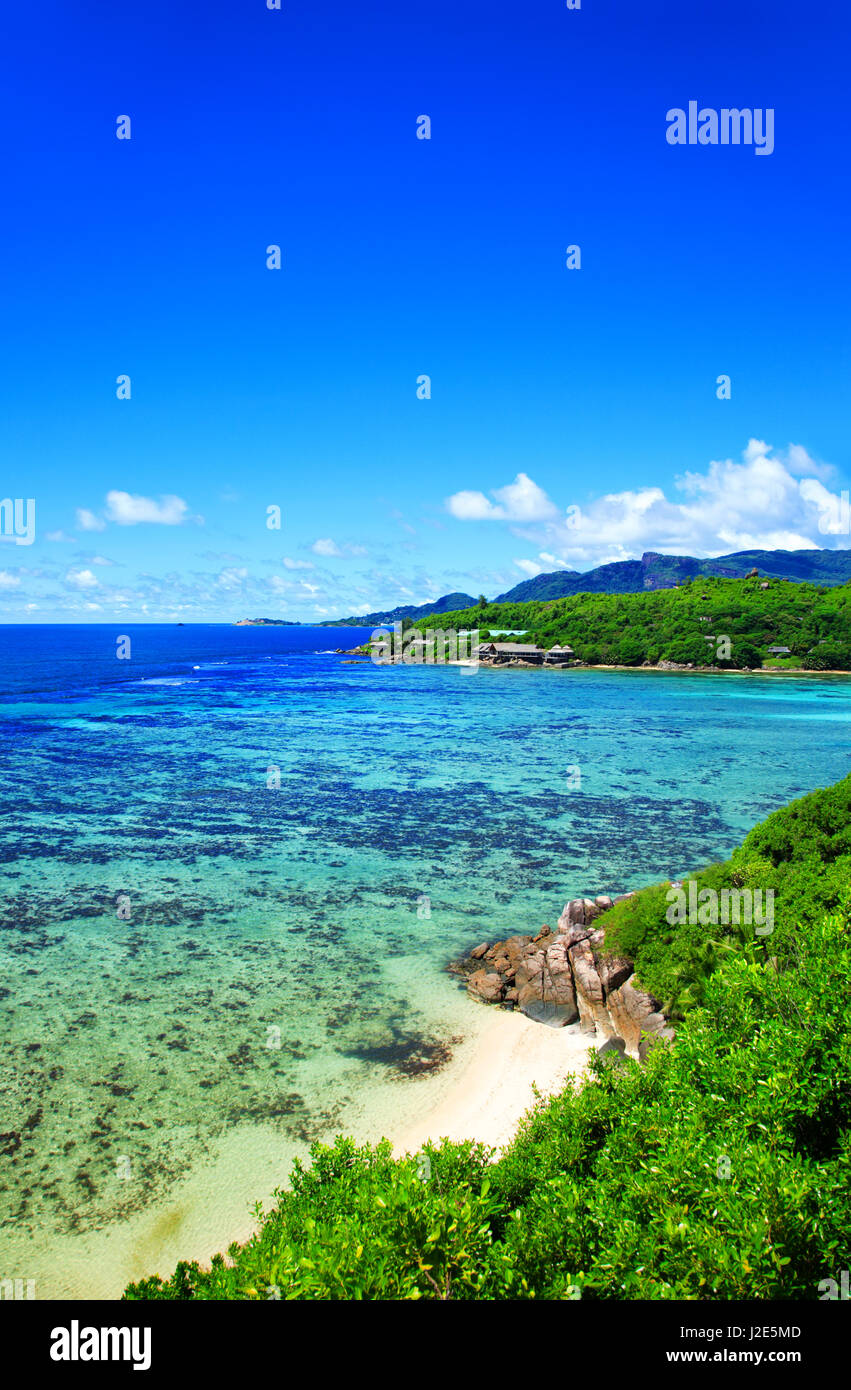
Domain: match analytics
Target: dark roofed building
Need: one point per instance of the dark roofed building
(508, 651)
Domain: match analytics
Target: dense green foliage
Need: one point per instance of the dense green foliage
(720, 1169)
(801, 854)
(674, 624)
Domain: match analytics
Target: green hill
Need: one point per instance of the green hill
(674, 624)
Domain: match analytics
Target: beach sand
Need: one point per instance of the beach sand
(482, 1095)
(496, 1088)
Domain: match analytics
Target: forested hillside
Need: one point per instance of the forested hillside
(675, 624)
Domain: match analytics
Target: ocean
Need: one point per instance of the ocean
(235, 868)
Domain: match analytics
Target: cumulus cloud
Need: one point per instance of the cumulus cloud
(87, 521)
(801, 465)
(530, 567)
(129, 510)
(521, 500)
(9, 581)
(232, 578)
(81, 579)
(771, 500)
(545, 561)
(328, 547)
(299, 564)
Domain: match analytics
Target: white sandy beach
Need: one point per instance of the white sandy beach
(487, 1101)
(483, 1096)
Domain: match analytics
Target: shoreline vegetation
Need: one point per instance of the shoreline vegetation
(717, 1167)
(702, 625)
(365, 652)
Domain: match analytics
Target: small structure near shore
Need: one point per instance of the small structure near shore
(501, 653)
(559, 653)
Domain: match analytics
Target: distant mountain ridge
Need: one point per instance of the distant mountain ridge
(652, 571)
(448, 604)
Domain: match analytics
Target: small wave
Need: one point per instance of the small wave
(166, 680)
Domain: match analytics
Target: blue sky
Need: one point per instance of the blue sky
(591, 389)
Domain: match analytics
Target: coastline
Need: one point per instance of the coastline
(512, 1061)
(666, 670)
(718, 670)
(481, 1095)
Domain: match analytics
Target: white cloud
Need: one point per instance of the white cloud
(9, 581)
(87, 521)
(129, 510)
(81, 579)
(61, 536)
(772, 500)
(521, 501)
(232, 578)
(298, 564)
(545, 561)
(326, 546)
(801, 465)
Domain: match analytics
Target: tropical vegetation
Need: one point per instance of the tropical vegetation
(705, 621)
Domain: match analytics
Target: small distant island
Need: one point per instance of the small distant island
(266, 622)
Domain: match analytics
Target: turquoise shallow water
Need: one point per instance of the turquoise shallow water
(187, 949)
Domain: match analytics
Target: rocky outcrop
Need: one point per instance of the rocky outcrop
(545, 989)
(562, 977)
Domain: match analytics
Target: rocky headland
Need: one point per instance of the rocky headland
(566, 976)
